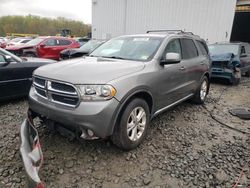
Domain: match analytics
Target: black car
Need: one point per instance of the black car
(83, 50)
(16, 74)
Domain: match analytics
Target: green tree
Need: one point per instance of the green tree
(42, 26)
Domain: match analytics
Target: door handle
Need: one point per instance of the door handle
(182, 68)
(202, 63)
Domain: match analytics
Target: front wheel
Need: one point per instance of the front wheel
(202, 91)
(131, 130)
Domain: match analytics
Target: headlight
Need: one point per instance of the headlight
(96, 92)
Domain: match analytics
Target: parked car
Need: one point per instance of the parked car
(44, 47)
(82, 40)
(3, 42)
(16, 74)
(18, 41)
(83, 50)
(230, 61)
(116, 94)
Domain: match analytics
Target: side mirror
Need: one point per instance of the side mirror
(243, 55)
(42, 45)
(8, 59)
(4, 60)
(171, 58)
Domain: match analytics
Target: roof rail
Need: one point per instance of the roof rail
(170, 31)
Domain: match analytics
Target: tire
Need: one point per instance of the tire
(202, 91)
(126, 137)
(247, 73)
(237, 77)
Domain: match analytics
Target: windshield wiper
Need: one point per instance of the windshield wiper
(113, 57)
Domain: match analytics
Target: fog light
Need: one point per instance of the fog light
(90, 133)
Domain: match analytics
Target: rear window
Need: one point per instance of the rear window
(189, 49)
(64, 42)
(202, 47)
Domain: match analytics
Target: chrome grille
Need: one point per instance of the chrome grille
(57, 92)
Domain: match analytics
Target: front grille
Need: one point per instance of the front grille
(56, 92)
(41, 92)
(65, 99)
(39, 82)
(220, 64)
(62, 87)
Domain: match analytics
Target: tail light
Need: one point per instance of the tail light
(40, 185)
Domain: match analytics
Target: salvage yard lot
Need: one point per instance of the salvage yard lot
(185, 147)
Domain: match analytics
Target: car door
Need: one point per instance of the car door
(192, 65)
(48, 48)
(6, 73)
(16, 78)
(170, 82)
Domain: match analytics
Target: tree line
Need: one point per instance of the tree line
(42, 26)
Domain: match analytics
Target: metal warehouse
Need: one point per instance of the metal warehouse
(213, 20)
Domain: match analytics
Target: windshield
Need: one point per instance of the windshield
(5, 52)
(34, 42)
(131, 48)
(223, 48)
(91, 45)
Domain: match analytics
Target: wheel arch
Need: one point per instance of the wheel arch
(136, 93)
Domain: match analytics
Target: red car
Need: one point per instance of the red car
(3, 44)
(44, 47)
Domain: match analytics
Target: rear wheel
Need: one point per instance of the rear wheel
(202, 91)
(132, 127)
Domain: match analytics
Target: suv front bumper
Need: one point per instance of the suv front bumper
(31, 152)
(99, 116)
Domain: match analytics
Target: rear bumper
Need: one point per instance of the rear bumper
(31, 153)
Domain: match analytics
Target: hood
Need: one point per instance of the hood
(223, 57)
(38, 60)
(89, 70)
(73, 51)
(18, 47)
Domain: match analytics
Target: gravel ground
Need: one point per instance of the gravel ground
(185, 147)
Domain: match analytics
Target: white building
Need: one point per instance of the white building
(211, 19)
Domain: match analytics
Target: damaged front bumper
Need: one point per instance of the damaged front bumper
(31, 152)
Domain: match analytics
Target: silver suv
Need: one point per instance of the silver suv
(121, 86)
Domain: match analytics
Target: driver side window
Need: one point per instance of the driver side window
(173, 46)
(50, 42)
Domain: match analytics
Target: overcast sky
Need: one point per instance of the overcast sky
(72, 9)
